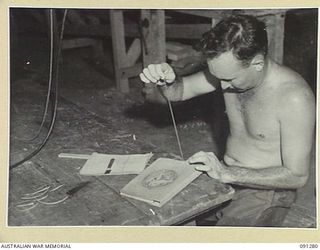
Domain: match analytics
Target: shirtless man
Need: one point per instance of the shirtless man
(271, 112)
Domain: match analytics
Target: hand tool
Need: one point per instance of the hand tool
(172, 117)
(75, 189)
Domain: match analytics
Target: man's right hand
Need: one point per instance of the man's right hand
(159, 74)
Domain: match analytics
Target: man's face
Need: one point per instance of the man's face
(234, 77)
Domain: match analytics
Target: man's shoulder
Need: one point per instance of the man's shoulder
(292, 90)
(290, 83)
(284, 75)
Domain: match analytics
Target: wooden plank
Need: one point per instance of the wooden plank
(131, 71)
(262, 12)
(219, 14)
(185, 31)
(91, 205)
(201, 195)
(154, 50)
(275, 31)
(277, 39)
(177, 51)
(99, 30)
(119, 48)
(97, 47)
(77, 42)
(216, 14)
(134, 51)
(24, 181)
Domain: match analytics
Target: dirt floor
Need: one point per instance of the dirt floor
(88, 82)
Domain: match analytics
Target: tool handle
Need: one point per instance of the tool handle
(74, 156)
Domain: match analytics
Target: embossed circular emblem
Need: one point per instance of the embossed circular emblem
(159, 178)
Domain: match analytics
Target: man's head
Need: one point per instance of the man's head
(235, 50)
(245, 36)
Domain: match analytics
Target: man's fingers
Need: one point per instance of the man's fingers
(158, 70)
(165, 67)
(204, 168)
(143, 78)
(153, 72)
(196, 156)
(148, 75)
(205, 162)
(212, 154)
(206, 158)
(158, 73)
(170, 76)
(199, 160)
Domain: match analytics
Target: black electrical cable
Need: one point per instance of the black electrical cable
(45, 112)
(54, 113)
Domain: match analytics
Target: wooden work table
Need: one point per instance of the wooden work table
(98, 203)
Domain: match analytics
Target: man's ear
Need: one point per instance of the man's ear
(258, 62)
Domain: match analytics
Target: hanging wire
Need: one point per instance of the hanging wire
(54, 113)
(49, 84)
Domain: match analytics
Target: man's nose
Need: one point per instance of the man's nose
(225, 85)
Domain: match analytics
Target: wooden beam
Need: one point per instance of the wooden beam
(154, 40)
(119, 49)
(131, 71)
(134, 51)
(219, 14)
(187, 31)
(154, 49)
(275, 30)
(277, 40)
(184, 31)
(99, 30)
(78, 42)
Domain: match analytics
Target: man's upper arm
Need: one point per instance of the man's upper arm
(198, 84)
(297, 120)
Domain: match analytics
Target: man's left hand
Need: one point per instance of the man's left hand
(207, 162)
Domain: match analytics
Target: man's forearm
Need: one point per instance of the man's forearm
(159, 94)
(267, 178)
(174, 92)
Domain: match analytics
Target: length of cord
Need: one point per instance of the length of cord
(56, 100)
(49, 84)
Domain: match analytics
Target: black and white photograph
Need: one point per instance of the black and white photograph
(162, 117)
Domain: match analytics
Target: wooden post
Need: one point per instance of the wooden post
(124, 62)
(275, 30)
(153, 41)
(153, 30)
(119, 48)
(276, 46)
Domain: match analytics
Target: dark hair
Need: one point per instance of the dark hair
(244, 35)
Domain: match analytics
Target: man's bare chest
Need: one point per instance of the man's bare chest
(252, 116)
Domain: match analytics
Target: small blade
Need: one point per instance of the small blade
(74, 190)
